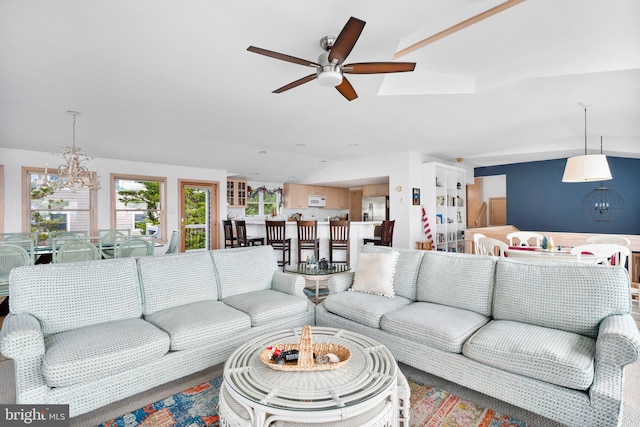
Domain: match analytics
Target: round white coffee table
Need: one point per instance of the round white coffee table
(364, 391)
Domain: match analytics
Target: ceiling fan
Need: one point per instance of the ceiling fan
(330, 69)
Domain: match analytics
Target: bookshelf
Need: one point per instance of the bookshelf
(444, 199)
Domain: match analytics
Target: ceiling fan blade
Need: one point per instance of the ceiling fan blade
(282, 56)
(296, 83)
(378, 67)
(346, 40)
(347, 90)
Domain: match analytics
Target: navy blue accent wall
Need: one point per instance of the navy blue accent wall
(537, 199)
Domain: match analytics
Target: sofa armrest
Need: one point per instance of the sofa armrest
(21, 337)
(340, 282)
(292, 284)
(618, 341)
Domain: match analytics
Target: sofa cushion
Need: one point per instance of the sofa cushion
(572, 297)
(363, 308)
(374, 273)
(177, 279)
(439, 326)
(550, 355)
(97, 351)
(458, 280)
(268, 306)
(191, 325)
(78, 294)
(247, 269)
(404, 279)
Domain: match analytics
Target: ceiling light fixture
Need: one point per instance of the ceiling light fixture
(589, 167)
(73, 174)
(602, 204)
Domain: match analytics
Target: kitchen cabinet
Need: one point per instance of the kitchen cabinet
(337, 198)
(296, 196)
(374, 190)
(236, 193)
(444, 199)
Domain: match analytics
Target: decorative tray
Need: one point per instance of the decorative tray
(306, 351)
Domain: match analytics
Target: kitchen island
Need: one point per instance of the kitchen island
(359, 230)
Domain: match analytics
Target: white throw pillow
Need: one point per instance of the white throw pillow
(374, 274)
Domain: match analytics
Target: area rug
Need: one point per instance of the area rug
(197, 406)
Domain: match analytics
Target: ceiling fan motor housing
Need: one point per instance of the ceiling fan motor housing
(329, 75)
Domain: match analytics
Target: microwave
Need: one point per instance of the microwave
(317, 201)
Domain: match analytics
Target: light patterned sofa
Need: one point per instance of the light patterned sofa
(87, 334)
(552, 338)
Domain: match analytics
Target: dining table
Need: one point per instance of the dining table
(557, 253)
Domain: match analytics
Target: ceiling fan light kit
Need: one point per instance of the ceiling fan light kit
(330, 69)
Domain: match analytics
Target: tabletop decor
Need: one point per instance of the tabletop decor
(311, 357)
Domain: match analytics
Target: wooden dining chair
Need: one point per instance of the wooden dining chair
(76, 249)
(476, 238)
(276, 237)
(523, 238)
(243, 239)
(339, 240)
(492, 247)
(386, 235)
(174, 243)
(136, 246)
(12, 256)
(308, 238)
(230, 241)
(602, 253)
(610, 238)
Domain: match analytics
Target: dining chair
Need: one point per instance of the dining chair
(76, 249)
(174, 242)
(109, 237)
(243, 239)
(230, 241)
(492, 247)
(276, 237)
(135, 246)
(386, 234)
(523, 238)
(610, 238)
(308, 238)
(476, 237)
(12, 256)
(339, 231)
(603, 253)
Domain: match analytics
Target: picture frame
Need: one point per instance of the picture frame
(416, 196)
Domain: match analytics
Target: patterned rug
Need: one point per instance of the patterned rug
(430, 406)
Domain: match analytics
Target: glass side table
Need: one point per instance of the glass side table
(316, 274)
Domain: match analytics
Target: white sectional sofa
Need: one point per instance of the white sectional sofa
(90, 333)
(552, 338)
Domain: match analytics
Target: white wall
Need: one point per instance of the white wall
(13, 161)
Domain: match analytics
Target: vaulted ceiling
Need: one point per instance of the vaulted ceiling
(171, 81)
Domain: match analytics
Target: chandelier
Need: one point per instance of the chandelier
(73, 174)
(602, 204)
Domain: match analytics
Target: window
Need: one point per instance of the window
(262, 201)
(137, 203)
(49, 209)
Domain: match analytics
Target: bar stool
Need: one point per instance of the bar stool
(276, 237)
(339, 240)
(308, 238)
(386, 238)
(241, 235)
(230, 241)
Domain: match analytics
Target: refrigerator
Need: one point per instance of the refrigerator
(375, 208)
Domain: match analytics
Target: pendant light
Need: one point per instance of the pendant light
(602, 204)
(589, 167)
